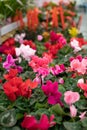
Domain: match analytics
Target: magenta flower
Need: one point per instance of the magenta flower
(54, 37)
(10, 62)
(45, 123)
(57, 69)
(51, 91)
(31, 123)
(19, 68)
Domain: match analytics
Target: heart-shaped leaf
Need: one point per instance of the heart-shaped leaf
(8, 118)
(84, 122)
(57, 109)
(72, 125)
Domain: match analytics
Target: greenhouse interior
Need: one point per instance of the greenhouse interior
(43, 64)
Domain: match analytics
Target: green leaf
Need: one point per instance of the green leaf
(8, 118)
(42, 111)
(19, 116)
(57, 109)
(8, 6)
(72, 125)
(61, 88)
(12, 128)
(82, 104)
(16, 128)
(84, 122)
(2, 108)
(58, 119)
(19, 1)
(1, 16)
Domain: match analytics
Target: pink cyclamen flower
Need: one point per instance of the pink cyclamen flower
(38, 62)
(73, 111)
(75, 64)
(43, 71)
(79, 66)
(19, 38)
(57, 69)
(39, 37)
(61, 81)
(71, 97)
(25, 51)
(37, 79)
(82, 115)
(75, 45)
(62, 40)
(51, 91)
(10, 62)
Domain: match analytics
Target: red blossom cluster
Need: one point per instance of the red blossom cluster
(81, 41)
(83, 86)
(57, 41)
(0, 59)
(53, 49)
(30, 43)
(8, 47)
(15, 86)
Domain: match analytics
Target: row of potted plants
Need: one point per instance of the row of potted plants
(8, 10)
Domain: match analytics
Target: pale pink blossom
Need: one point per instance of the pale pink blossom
(75, 45)
(71, 97)
(73, 111)
(19, 38)
(61, 81)
(75, 64)
(25, 51)
(80, 81)
(39, 37)
(79, 66)
(37, 79)
(84, 62)
(82, 116)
